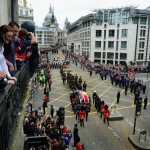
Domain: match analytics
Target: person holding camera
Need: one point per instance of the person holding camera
(23, 46)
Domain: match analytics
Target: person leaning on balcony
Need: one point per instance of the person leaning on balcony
(6, 36)
(23, 46)
(9, 49)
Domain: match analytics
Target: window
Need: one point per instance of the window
(83, 34)
(143, 26)
(125, 17)
(135, 20)
(118, 34)
(116, 56)
(98, 32)
(116, 45)
(82, 44)
(104, 55)
(97, 44)
(104, 45)
(110, 44)
(123, 56)
(141, 45)
(140, 56)
(143, 20)
(105, 16)
(87, 43)
(21, 12)
(112, 18)
(123, 44)
(110, 55)
(124, 32)
(141, 50)
(104, 34)
(97, 54)
(26, 12)
(142, 39)
(111, 33)
(142, 33)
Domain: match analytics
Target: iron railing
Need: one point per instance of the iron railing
(10, 105)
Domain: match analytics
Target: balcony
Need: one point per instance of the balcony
(10, 105)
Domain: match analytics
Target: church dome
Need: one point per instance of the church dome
(50, 15)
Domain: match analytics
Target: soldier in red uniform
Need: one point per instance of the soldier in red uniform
(82, 115)
(102, 108)
(106, 114)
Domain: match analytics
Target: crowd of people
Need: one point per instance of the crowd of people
(39, 123)
(119, 75)
(17, 47)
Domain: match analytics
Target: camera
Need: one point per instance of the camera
(28, 37)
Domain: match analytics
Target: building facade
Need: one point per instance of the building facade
(115, 36)
(25, 12)
(8, 11)
(45, 37)
(50, 35)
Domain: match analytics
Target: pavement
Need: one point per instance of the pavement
(140, 144)
(96, 135)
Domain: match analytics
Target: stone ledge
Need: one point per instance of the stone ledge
(115, 116)
(139, 145)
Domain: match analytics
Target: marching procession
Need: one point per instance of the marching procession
(81, 101)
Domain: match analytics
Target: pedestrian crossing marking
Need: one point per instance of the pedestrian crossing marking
(115, 100)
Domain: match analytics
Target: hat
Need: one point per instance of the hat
(75, 125)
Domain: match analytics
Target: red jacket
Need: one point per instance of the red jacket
(46, 98)
(78, 146)
(21, 56)
(82, 114)
(102, 108)
(106, 113)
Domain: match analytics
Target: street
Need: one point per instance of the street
(96, 135)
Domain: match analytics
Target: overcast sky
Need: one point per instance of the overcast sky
(74, 9)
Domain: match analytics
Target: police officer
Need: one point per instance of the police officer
(75, 134)
(126, 89)
(87, 112)
(84, 86)
(118, 96)
(94, 96)
(80, 80)
(145, 102)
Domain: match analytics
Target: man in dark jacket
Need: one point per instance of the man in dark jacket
(94, 96)
(118, 96)
(52, 111)
(75, 133)
(145, 102)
